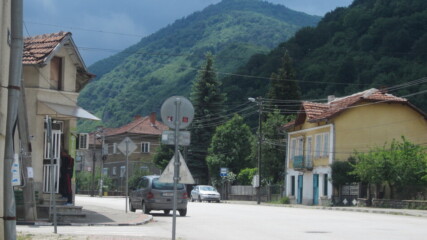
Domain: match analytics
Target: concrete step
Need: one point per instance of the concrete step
(43, 210)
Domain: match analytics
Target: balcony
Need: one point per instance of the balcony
(302, 163)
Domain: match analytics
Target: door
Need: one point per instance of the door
(315, 189)
(47, 166)
(300, 184)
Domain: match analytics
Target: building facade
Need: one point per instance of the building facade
(53, 75)
(144, 134)
(326, 132)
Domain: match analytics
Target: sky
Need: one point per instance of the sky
(102, 28)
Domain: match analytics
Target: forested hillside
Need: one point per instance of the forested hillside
(137, 80)
(372, 43)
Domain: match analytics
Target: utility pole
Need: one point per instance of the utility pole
(258, 100)
(14, 89)
(92, 192)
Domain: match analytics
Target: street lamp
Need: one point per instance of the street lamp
(258, 101)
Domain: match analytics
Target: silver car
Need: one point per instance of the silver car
(205, 193)
(151, 194)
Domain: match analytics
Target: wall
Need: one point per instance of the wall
(4, 81)
(362, 128)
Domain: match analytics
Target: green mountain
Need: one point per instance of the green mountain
(137, 80)
(372, 43)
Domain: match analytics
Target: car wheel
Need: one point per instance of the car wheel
(182, 212)
(217, 201)
(145, 210)
(166, 212)
(209, 201)
(131, 208)
(200, 199)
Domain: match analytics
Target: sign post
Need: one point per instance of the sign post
(127, 146)
(177, 113)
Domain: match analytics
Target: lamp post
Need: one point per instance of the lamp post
(258, 101)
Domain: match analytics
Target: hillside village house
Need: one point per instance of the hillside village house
(53, 75)
(326, 132)
(145, 133)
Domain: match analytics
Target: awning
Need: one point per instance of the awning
(73, 111)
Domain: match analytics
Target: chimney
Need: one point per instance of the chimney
(153, 118)
(331, 98)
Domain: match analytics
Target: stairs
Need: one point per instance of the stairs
(64, 213)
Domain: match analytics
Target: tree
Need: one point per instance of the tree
(229, 147)
(283, 85)
(273, 149)
(163, 155)
(399, 166)
(207, 99)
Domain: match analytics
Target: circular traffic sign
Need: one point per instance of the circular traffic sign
(169, 112)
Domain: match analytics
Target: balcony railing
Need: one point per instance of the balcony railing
(301, 162)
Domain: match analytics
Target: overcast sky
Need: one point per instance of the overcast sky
(104, 27)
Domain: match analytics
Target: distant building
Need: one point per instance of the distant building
(326, 132)
(145, 133)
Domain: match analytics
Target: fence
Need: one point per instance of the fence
(249, 193)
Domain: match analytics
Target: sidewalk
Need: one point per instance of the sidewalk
(99, 216)
(392, 211)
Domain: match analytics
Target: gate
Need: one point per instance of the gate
(47, 166)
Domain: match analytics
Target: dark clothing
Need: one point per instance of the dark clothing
(67, 167)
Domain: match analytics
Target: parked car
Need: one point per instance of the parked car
(150, 194)
(205, 193)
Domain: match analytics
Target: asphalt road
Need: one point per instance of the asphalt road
(209, 221)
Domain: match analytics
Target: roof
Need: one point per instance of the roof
(315, 112)
(39, 49)
(141, 125)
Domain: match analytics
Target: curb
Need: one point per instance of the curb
(135, 222)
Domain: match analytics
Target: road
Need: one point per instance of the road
(212, 221)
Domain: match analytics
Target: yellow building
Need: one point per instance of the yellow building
(326, 132)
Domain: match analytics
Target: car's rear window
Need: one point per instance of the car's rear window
(165, 186)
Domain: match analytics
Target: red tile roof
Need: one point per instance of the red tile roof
(37, 49)
(141, 125)
(315, 112)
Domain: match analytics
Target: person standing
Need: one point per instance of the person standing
(67, 169)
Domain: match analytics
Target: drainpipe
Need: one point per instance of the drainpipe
(14, 88)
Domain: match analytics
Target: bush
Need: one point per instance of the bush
(285, 200)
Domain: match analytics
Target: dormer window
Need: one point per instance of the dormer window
(56, 82)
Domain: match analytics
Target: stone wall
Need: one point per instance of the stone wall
(389, 203)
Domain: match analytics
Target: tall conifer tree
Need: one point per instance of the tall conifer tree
(283, 86)
(208, 102)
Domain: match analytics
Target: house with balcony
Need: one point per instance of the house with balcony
(326, 132)
(53, 74)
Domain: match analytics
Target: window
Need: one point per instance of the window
(114, 173)
(83, 141)
(325, 145)
(325, 184)
(114, 148)
(122, 171)
(106, 149)
(300, 148)
(292, 185)
(145, 147)
(308, 148)
(317, 145)
(292, 148)
(105, 171)
(56, 73)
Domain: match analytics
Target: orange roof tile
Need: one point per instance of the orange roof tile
(141, 125)
(323, 111)
(38, 48)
